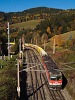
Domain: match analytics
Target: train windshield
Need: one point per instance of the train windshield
(56, 78)
(53, 78)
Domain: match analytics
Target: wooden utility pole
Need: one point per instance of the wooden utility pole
(23, 41)
(18, 79)
(54, 46)
(31, 41)
(20, 48)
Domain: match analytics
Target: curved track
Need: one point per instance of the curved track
(37, 84)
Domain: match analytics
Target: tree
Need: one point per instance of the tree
(36, 37)
(59, 30)
(3, 43)
(58, 40)
(48, 30)
(44, 38)
(73, 25)
(8, 81)
(28, 37)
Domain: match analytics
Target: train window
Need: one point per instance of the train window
(53, 78)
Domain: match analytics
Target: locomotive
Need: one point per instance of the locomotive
(53, 74)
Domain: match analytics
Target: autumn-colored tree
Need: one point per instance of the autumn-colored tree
(58, 40)
(55, 30)
(14, 35)
(59, 30)
(44, 38)
(48, 30)
(28, 37)
(36, 38)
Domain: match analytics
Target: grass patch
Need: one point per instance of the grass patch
(27, 25)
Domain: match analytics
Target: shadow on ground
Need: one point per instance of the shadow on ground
(64, 81)
(23, 85)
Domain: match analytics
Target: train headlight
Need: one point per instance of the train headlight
(50, 83)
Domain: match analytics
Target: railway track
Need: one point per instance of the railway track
(54, 94)
(39, 79)
(37, 84)
(37, 92)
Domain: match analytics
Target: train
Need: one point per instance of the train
(53, 74)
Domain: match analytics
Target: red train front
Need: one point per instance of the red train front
(53, 74)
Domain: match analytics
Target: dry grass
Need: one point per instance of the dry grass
(27, 25)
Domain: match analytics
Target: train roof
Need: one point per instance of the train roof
(50, 64)
(55, 72)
